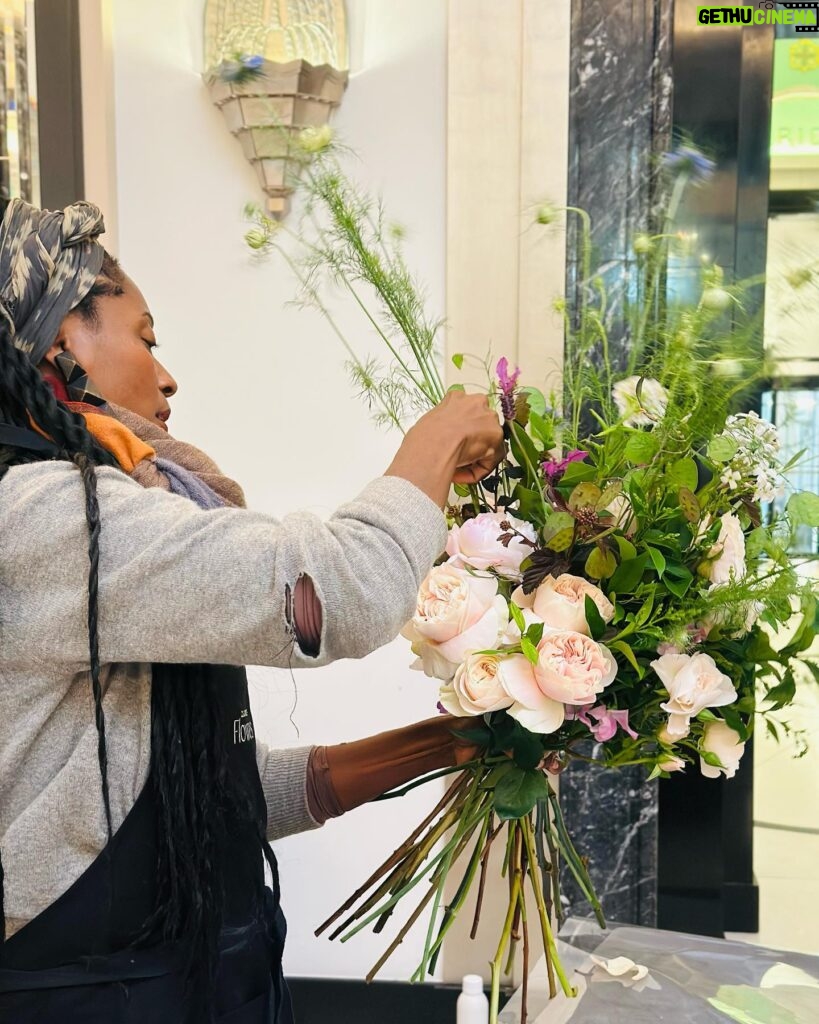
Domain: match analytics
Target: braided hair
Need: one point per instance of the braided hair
(196, 798)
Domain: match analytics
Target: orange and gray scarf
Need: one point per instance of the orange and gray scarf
(153, 457)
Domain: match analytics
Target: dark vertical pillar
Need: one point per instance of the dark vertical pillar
(59, 100)
(620, 121)
(722, 100)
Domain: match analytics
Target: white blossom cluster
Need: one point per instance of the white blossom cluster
(756, 461)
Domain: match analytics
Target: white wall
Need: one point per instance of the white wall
(262, 387)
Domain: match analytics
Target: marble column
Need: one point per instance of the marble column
(619, 122)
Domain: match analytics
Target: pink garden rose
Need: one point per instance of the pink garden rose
(477, 543)
(561, 602)
(456, 613)
(534, 709)
(693, 682)
(571, 669)
(477, 687)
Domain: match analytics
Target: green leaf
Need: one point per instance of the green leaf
(530, 504)
(455, 387)
(534, 634)
(683, 473)
(689, 504)
(559, 531)
(527, 749)
(803, 508)
(529, 650)
(644, 612)
(722, 449)
(627, 549)
(628, 575)
(595, 620)
(708, 757)
(526, 454)
(458, 360)
(517, 616)
(612, 491)
(584, 495)
(535, 400)
(678, 581)
(542, 428)
(623, 648)
(600, 564)
(783, 693)
(518, 792)
(461, 491)
(576, 472)
(641, 447)
(658, 558)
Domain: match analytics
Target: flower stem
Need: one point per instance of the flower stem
(546, 928)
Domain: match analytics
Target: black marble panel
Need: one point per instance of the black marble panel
(619, 124)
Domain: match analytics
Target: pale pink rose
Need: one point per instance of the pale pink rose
(561, 603)
(534, 709)
(664, 736)
(456, 613)
(477, 543)
(728, 554)
(693, 682)
(477, 687)
(572, 668)
(672, 764)
(720, 739)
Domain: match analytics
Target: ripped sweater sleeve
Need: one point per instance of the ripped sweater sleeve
(179, 584)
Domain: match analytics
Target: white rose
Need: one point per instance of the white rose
(672, 764)
(728, 554)
(477, 543)
(561, 603)
(645, 410)
(477, 687)
(720, 739)
(693, 682)
(456, 613)
(619, 508)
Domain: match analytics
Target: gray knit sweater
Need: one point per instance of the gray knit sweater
(177, 584)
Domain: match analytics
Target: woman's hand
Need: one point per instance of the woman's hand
(347, 775)
(459, 441)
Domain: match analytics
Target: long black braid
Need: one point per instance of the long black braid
(197, 799)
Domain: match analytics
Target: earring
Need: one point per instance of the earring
(80, 387)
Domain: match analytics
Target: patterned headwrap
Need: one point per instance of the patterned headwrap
(49, 262)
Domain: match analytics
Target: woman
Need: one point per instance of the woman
(135, 806)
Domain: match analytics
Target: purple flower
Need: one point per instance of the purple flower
(690, 161)
(508, 382)
(253, 63)
(554, 470)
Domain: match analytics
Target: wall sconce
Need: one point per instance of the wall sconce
(274, 68)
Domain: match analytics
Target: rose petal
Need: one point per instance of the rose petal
(546, 718)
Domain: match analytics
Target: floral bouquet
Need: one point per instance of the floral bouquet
(612, 593)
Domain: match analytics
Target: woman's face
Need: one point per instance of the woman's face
(116, 350)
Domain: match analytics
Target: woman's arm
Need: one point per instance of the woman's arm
(178, 584)
(305, 787)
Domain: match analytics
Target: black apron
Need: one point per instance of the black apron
(75, 963)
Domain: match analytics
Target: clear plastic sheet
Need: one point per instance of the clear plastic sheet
(692, 979)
